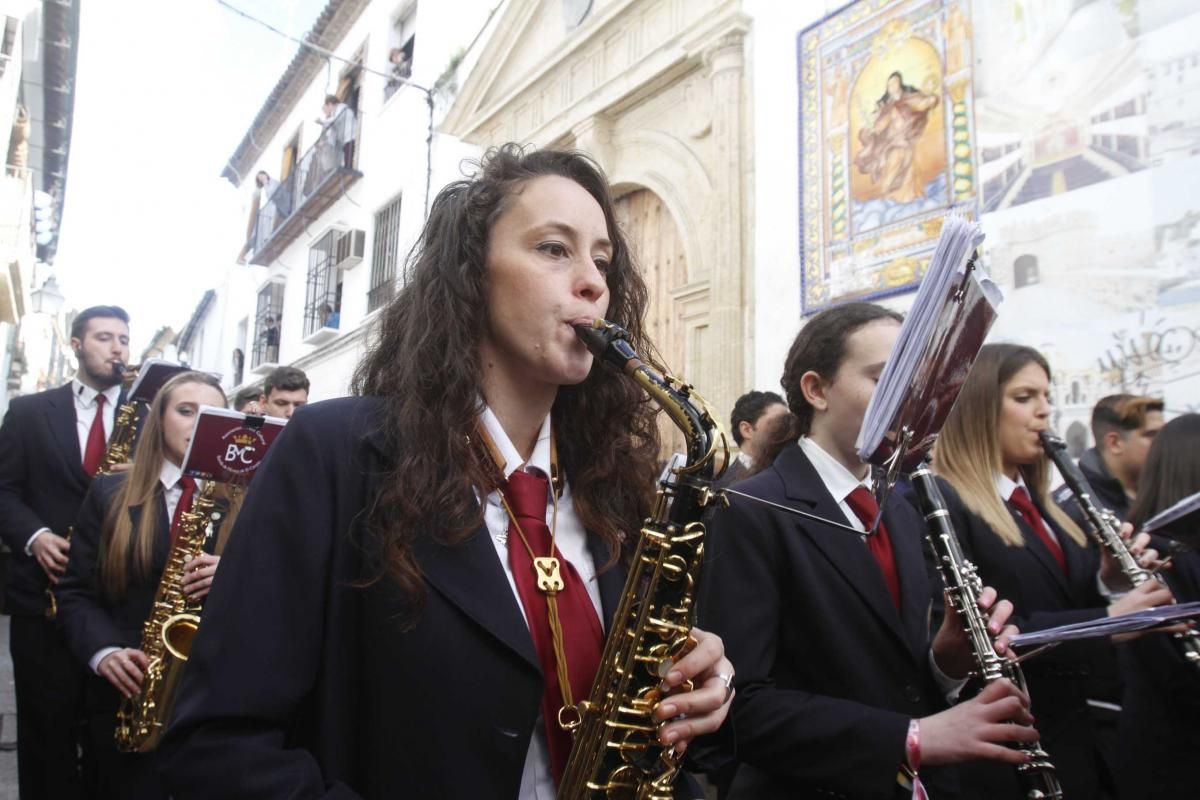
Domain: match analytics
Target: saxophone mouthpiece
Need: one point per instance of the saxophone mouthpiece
(608, 341)
(592, 336)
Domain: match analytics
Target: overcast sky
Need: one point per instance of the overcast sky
(165, 91)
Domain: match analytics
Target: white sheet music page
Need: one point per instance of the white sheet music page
(927, 348)
(1187, 505)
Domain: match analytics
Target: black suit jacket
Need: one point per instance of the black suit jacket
(829, 673)
(89, 618)
(1158, 732)
(1043, 597)
(42, 484)
(303, 683)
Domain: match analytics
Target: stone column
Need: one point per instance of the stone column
(729, 314)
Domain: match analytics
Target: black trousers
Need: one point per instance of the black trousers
(118, 776)
(50, 728)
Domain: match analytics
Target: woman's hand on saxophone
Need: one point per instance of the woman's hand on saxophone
(703, 709)
(125, 670)
(198, 577)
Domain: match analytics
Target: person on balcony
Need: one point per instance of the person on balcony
(338, 124)
(264, 225)
(401, 69)
(330, 318)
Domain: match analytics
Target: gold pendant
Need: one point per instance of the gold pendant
(548, 577)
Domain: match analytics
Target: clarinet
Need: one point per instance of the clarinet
(1104, 526)
(1037, 776)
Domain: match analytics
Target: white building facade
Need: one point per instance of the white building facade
(326, 243)
(719, 123)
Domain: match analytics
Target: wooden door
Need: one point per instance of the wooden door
(658, 252)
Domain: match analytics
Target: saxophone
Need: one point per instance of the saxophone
(166, 636)
(1104, 528)
(124, 432)
(616, 752)
(1037, 776)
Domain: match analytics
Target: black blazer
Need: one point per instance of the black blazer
(1160, 739)
(89, 618)
(42, 484)
(828, 672)
(1042, 597)
(303, 683)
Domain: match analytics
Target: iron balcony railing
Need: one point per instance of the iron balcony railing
(312, 185)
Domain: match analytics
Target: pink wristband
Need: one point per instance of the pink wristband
(912, 753)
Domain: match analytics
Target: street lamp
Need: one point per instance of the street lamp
(47, 299)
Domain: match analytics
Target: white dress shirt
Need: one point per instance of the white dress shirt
(169, 476)
(840, 482)
(85, 415)
(537, 782)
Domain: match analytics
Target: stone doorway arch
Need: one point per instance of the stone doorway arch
(658, 251)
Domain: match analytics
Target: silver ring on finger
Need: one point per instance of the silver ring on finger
(727, 679)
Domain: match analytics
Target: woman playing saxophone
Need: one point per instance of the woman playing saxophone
(121, 541)
(384, 626)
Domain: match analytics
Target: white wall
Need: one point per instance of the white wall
(391, 154)
(776, 281)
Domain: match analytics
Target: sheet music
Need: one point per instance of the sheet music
(1184, 507)
(938, 342)
(227, 445)
(1107, 626)
(152, 374)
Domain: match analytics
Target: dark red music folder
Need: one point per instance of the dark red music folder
(152, 374)
(228, 446)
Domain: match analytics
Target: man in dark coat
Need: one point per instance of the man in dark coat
(50, 446)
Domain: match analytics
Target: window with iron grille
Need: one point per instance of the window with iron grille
(267, 323)
(323, 296)
(385, 256)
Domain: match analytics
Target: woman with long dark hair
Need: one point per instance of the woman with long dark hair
(375, 633)
(118, 553)
(996, 479)
(841, 690)
(1158, 732)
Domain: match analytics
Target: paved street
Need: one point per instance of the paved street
(8, 720)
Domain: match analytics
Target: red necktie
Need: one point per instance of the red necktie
(95, 441)
(583, 638)
(863, 504)
(1024, 505)
(184, 505)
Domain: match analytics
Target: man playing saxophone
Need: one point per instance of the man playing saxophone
(389, 578)
(122, 537)
(51, 444)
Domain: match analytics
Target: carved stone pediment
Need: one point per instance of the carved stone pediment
(536, 79)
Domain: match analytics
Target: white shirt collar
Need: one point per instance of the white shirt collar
(539, 459)
(837, 479)
(1005, 485)
(169, 475)
(86, 395)
(746, 459)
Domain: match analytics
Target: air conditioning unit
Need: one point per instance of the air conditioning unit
(349, 248)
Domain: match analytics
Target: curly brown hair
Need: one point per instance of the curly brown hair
(425, 365)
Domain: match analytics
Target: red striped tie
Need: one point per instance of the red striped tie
(96, 440)
(863, 503)
(184, 505)
(583, 638)
(1033, 518)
